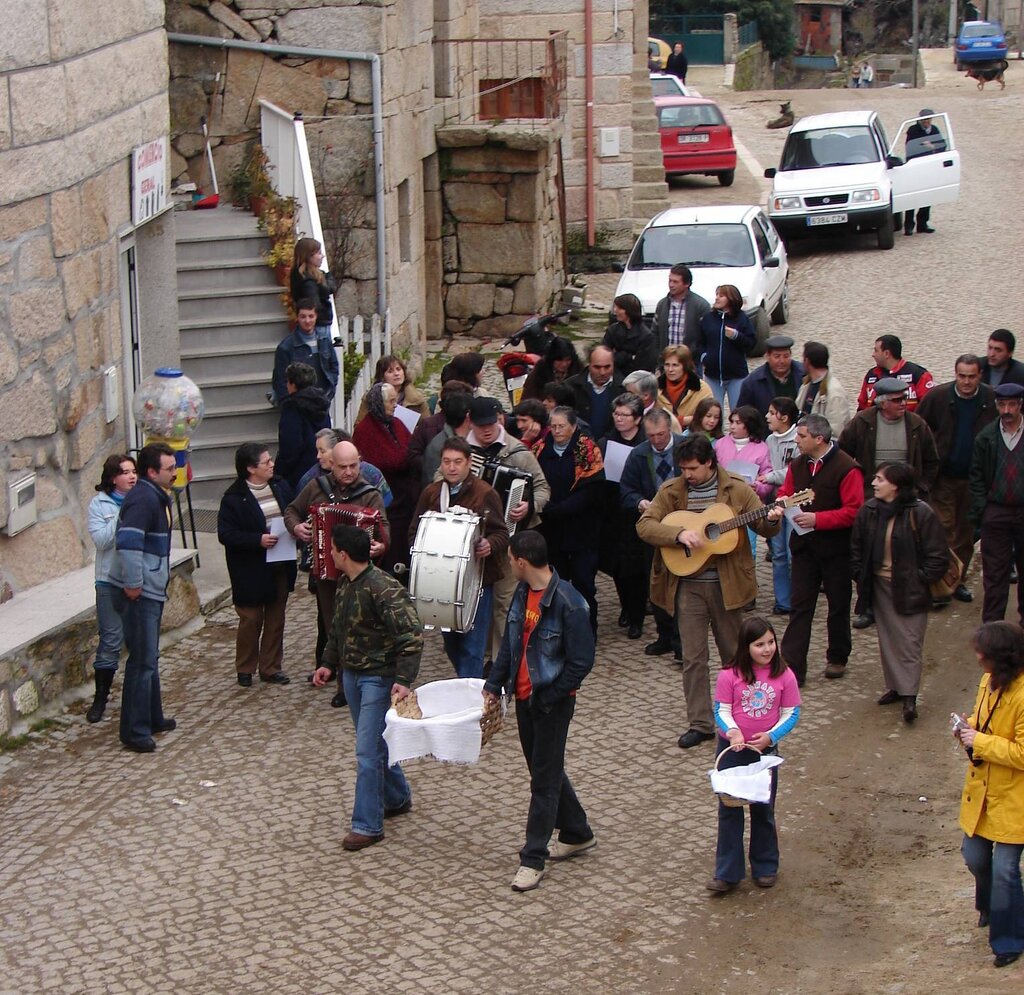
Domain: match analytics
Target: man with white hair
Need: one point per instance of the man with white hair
(645, 386)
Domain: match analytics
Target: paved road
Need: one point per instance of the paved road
(215, 865)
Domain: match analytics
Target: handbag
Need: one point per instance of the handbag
(943, 588)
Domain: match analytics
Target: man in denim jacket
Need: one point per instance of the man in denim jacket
(141, 571)
(547, 650)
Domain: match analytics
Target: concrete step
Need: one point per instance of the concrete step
(248, 421)
(213, 248)
(225, 274)
(234, 304)
(245, 389)
(256, 330)
(225, 361)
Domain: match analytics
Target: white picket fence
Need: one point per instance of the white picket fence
(372, 344)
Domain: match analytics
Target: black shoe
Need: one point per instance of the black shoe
(168, 725)
(339, 700)
(104, 678)
(962, 594)
(141, 746)
(278, 678)
(1005, 960)
(391, 813)
(908, 231)
(692, 738)
(623, 619)
(634, 632)
(982, 920)
(909, 708)
(658, 648)
(925, 229)
(889, 698)
(864, 621)
(939, 603)
(245, 680)
(779, 610)
(1013, 575)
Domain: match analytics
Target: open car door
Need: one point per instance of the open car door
(930, 172)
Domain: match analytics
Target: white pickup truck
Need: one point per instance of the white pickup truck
(840, 173)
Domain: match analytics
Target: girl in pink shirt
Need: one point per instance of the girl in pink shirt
(757, 701)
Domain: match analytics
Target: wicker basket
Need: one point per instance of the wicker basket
(408, 707)
(728, 800)
(492, 720)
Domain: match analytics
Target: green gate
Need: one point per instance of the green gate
(702, 35)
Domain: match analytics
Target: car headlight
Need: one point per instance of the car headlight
(866, 196)
(787, 203)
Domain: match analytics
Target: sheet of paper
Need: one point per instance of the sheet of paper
(791, 514)
(284, 549)
(615, 456)
(748, 471)
(407, 416)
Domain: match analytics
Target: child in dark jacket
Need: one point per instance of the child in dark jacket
(305, 410)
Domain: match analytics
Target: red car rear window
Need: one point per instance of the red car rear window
(690, 116)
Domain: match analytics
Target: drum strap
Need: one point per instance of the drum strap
(445, 497)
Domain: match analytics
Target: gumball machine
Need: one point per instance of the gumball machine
(168, 407)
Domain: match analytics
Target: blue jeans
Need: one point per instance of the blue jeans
(730, 389)
(553, 802)
(108, 622)
(764, 840)
(997, 890)
(466, 649)
(378, 786)
(141, 707)
(781, 566)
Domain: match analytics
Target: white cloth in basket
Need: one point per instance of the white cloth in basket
(752, 783)
(449, 729)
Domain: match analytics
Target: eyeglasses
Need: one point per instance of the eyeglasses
(266, 462)
(894, 400)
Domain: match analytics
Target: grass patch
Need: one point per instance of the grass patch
(8, 744)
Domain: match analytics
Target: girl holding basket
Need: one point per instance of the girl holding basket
(757, 702)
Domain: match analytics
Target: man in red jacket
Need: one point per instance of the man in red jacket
(889, 362)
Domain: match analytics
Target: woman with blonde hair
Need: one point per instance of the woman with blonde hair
(309, 282)
(680, 387)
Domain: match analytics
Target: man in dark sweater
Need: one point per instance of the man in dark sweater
(999, 366)
(956, 412)
(595, 389)
(997, 501)
(141, 571)
(820, 544)
(780, 376)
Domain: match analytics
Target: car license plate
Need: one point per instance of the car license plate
(826, 219)
(983, 44)
(693, 139)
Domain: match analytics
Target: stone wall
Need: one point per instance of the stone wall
(613, 31)
(81, 85)
(501, 230)
(335, 98)
(753, 69)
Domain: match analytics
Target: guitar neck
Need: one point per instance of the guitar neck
(747, 518)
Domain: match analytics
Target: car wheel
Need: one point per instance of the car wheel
(762, 329)
(726, 178)
(886, 233)
(780, 314)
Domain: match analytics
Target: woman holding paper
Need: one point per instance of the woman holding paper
(249, 525)
(391, 369)
(622, 552)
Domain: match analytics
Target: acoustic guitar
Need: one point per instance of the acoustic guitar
(719, 526)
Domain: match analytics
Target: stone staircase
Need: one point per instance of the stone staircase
(230, 320)
(650, 191)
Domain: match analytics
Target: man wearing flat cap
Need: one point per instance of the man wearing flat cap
(997, 501)
(888, 433)
(780, 376)
(923, 138)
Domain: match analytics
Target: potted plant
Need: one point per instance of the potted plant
(249, 182)
(278, 221)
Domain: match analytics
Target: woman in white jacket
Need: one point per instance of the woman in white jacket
(118, 478)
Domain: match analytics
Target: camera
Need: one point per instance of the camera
(956, 723)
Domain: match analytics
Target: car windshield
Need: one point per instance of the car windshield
(665, 86)
(980, 31)
(694, 245)
(690, 116)
(828, 147)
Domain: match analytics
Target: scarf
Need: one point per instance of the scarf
(887, 511)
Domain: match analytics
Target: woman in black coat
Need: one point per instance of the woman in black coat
(305, 410)
(308, 282)
(559, 362)
(678, 64)
(897, 548)
(630, 337)
(246, 529)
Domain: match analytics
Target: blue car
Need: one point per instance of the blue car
(979, 41)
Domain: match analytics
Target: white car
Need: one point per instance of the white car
(733, 244)
(667, 85)
(839, 173)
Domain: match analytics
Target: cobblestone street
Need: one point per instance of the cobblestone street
(215, 864)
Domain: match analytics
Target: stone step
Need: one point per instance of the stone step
(243, 391)
(236, 303)
(213, 248)
(223, 361)
(242, 423)
(258, 330)
(225, 274)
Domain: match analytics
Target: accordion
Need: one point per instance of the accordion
(512, 484)
(323, 518)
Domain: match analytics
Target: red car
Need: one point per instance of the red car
(695, 138)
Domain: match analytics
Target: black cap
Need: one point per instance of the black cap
(484, 410)
(890, 385)
(926, 112)
(1010, 391)
(778, 342)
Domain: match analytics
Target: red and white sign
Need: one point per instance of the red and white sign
(149, 180)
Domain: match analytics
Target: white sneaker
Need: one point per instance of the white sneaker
(563, 851)
(526, 879)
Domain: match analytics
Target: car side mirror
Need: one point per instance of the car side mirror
(769, 173)
(892, 161)
(618, 267)
(772, 262)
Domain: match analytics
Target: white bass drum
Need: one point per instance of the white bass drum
(445, 577)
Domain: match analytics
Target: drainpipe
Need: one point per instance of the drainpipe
(378, 119)
(588, 62)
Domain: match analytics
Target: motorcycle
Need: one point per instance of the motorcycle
(535, 336)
